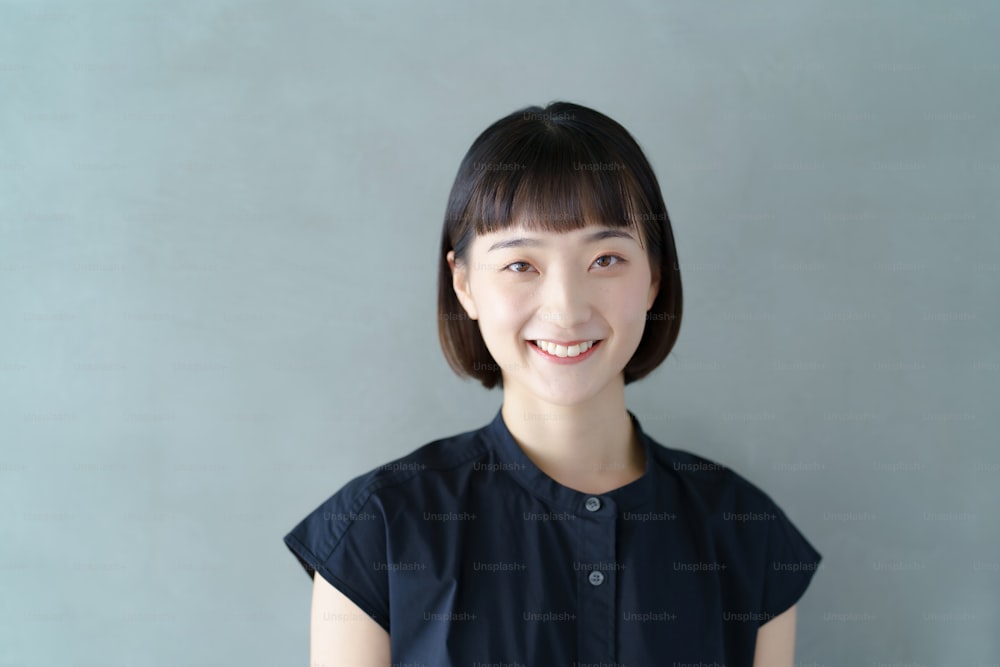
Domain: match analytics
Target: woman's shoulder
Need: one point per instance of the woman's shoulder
(716, 487)
(430, 463)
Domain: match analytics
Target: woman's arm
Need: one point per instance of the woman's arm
(341, 634)
(776, 641)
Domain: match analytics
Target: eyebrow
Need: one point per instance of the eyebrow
(535, 243)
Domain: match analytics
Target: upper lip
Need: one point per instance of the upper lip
(566, 343)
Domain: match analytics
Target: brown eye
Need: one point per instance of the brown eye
(516, 264)
(617, 259)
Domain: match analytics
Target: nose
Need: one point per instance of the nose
(564, 298)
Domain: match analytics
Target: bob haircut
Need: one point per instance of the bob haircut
(556, 169)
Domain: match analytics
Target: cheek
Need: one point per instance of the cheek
(636, 299)
(505, 310)
(627, 297)
(626, 308)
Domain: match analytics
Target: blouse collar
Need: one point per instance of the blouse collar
(499, 438)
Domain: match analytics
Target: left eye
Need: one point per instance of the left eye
(616, 258)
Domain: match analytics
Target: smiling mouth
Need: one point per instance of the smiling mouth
(565, 351)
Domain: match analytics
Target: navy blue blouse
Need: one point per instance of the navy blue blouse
(466, 553)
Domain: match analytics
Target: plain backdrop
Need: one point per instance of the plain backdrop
(218, 233)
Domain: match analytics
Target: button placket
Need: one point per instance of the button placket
(596, 622)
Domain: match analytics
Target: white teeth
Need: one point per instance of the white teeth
(564, 351)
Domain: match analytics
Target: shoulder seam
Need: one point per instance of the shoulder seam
(376, 483)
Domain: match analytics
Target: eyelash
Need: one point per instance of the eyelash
(619, 260)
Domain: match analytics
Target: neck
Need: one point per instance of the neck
(590, 446)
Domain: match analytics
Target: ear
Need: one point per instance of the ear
(654, 289)
(460, 283)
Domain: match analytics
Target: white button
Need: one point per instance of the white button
(593, 504)
(596, 577)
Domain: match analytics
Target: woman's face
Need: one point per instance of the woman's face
(591, 285)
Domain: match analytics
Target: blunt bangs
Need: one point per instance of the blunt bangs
(552, 181)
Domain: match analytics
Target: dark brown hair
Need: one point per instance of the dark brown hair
(556, 168)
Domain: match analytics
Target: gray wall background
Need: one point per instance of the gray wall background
(218, 226)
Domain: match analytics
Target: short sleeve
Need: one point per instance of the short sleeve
(791, 563)
(344, 540)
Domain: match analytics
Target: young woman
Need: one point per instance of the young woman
(560, 533)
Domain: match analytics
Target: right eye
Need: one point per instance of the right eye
(517, 264)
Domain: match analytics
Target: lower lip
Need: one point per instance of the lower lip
(565, 360)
